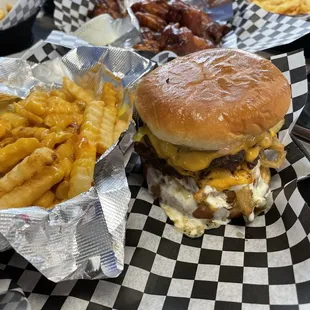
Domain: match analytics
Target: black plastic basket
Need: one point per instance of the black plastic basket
(18, 37)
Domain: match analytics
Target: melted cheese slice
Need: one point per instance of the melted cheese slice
(223, 179)
(185, 160)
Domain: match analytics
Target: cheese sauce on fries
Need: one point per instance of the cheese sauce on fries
(50, 141)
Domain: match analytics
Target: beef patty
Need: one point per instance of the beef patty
(147, 152)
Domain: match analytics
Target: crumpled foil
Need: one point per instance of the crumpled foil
(120, 32)
(84, 236)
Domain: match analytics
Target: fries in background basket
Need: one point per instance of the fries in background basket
(49, 142)
(286, 7)
(3, 12)
(8, 7)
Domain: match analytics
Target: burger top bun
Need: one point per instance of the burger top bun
(213, 98)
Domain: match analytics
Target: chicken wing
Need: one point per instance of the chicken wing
(150, 21)
(176, 26)
(106, 7)
(182, 41)
(159, 8)
(148, 46)
(148, 34)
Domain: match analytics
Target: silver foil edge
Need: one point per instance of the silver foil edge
(84, 236)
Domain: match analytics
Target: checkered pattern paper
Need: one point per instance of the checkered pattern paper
(262, 265)
(69, 15)
(257, 29)
(64, 39)
(22, 10)
(11, 295)
(43, 51)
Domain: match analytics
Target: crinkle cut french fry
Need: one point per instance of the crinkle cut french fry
(73, 129)
(58, 105)
(13, 153)
(79, 105)
(39, 94)
(27, 114)
(31, 190)
(58, 93)
(2, 14)
(39, 133)
(58, 120)
(14, 119)
(2, 130)
(109, 95)
(36, 103)
(62, 190)
(120, 127)
(69, 97)
(66, 166)
(62, 121)
(63, 136)
(54, 138)
(82, 176)
(7, 141)
(66, 150)
(46, 200)
(106, 133)
(50, 140)
(5, 126)
(92, 120)
(8, 7)
(82, 173)
(76, 91)
(26, 169)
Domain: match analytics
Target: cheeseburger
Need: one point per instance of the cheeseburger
(210, 135)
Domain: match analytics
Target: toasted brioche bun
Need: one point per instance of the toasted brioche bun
(213, 98)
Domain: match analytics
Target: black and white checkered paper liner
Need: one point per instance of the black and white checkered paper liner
(257, 29)
(64, 39)
(264, 265)
(22, 10)
(69, 15)
(43, 51)
(11, 295)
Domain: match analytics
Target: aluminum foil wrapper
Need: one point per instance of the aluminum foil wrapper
(120, 32)
(84, 236)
